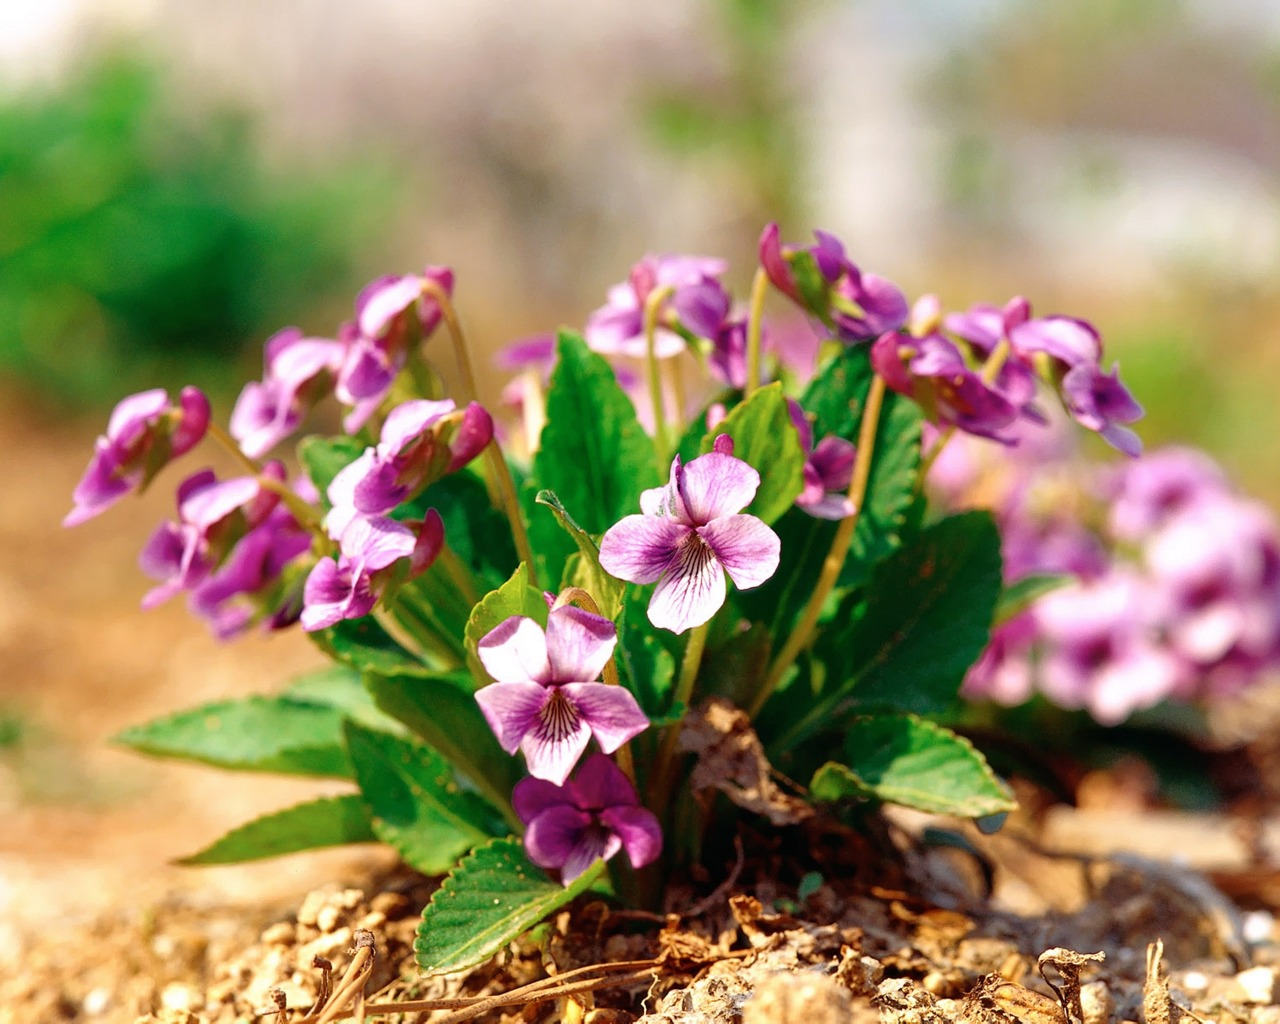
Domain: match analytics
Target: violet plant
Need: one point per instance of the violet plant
(522, 647)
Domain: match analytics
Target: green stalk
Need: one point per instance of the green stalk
(662, 438)
(755, 324)
(660, 782)
(803, 633)
(502, 489)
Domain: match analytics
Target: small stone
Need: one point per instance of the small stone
(789, 998)
(1264, 1015)
(372, 921)
(1257, 926)
(327, 918)
(1193, 982)
(311, 906)
(1258, 985)
(96, 1002)
(177, 996)
(393, 904)
(1096, 1003)
(282, 933)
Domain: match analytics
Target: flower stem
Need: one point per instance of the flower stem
(660, 783)
(802, 634)
(253, 467)
(652, 307)
(417, 618)
(502, 489)
(460, 575)
(755, 326)
(584, 600)
(301, 510)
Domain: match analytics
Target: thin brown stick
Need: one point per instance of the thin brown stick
(351, 988)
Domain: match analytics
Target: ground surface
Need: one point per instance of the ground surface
(95, 924)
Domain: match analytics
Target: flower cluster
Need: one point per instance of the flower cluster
(547, 702)
(244, 549)
(1175, 594)
(767, 457)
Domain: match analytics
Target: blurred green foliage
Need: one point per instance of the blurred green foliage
(744, 111)
(142, 243)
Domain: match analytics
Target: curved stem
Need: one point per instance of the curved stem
(252, 466)
(660, 783)
(301, 510)
(652, 307)
(755, 326)
(460, 574)
(502, 489)
(460, 353)
(802, 634)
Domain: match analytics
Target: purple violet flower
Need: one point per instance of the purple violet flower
(212, 516)
(546, 700)
(859, 306)
(690, 535)
(932, 372)
(145, 432)
(1148, 492)
(253, 583)
(376, 551)
(393, 314)
(698, 303)
(571, 826)
(828, 469)
(1102, 651)
(1099, 402)
(421, 441)
(299, 372)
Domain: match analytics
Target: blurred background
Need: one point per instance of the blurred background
(178, 181)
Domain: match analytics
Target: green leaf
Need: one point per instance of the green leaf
(362, 644)
(881, 526)
(906, 641)
(891, 490)
(414, 801)
(1018, 596)
(765, 438)
(646, 666)
(902, 759)
(329, 821)
(443, 712)
(490, 898)
(476, 531)
(340, 687)
(585, 571)
(261, 734)
(323, 457)
(593, 452)
(836, 394)
(515, 597)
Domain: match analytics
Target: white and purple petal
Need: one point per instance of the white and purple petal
(748, 550)
(511, 709)
(579, 644)
(692, 590)
(515, 651)
(641, 548)
(611, 712)
(716, 485)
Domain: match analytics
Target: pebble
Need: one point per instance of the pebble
(1258, 985)
(282, 933)
(96, 1002)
